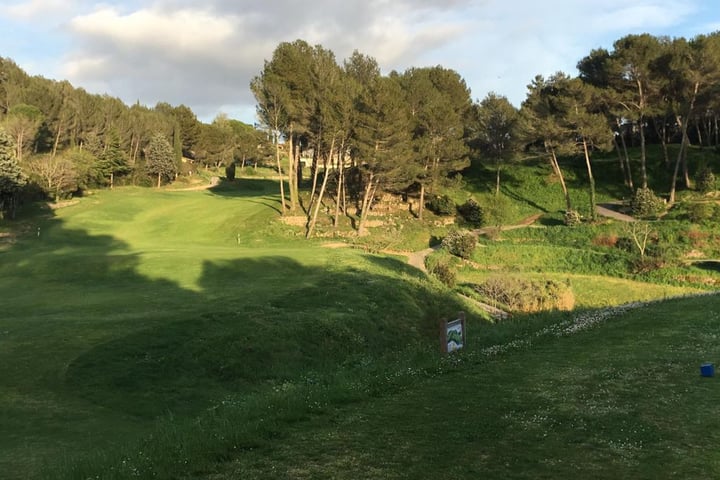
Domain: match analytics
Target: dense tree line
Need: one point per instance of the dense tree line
(366, 133)
(67, 140)
(407, 132)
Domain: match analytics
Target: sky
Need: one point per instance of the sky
(203, 54)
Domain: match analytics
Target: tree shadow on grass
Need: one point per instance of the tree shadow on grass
(711, 265)
(274, 320)
(245, 187)
(105, 344)
(250, 187)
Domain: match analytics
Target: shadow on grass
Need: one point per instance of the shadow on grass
(245, 187)
(711, 265)
(275, 320)
(546, 221)
(89, 328)
(249, 187)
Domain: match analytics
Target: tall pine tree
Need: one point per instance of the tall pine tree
(12, 179)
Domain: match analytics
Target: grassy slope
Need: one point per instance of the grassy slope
(621, 400)
(136, 303)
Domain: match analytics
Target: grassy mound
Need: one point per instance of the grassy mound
(614, 393)
(138, 304)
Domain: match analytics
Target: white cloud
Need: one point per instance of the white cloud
(641, 16)
(203, 54)
(184, 30)
(206, 56)
(35, 9)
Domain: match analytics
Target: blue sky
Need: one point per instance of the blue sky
(203, 53)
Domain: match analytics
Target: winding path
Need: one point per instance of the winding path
(417, 259)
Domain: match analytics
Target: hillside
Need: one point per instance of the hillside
(166, 302)
(199, 329)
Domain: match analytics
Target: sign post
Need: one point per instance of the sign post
(452, 334)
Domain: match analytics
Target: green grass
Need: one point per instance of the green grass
(135, 304)
(620, 399)
(191, 334)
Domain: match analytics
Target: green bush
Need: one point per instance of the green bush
(444, 271)
(230, 172)
(646, 204)
(626, 244)
(499, 210)
(700, 212)
(472, 213)
(441, 205)
(705, 180)
(460, 244)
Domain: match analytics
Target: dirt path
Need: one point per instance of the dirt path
(609, 210)
(417, 259)
(214, 181)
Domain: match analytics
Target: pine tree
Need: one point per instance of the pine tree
(160, 158)
(12, 179)
(113, 160)
(383, 142)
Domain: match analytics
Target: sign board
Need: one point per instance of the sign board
(452, 333)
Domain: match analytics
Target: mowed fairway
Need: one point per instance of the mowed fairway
(135, 304)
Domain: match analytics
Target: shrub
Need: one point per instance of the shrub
(646, 264)
(444, 272)
(609, 240)
(646, 204)
(230, 172)
(572, 218)
(460, 244)
(499, 210)
(705, 180)
(625, 244)
(521, 295)
(700, 212)
(472, 213)
(441, 205)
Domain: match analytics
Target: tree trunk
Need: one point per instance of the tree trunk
(57, 140)
(643, 156)
(661, 132)
(422, 201)
(292, 173)
(137, 150)
(558, 172)
(18, 147)
(158, 182)
(340, 169)
(628, 169)
(591, 178)
(620, 161)
(497, 178)
(318, 202)
(686, 174)
(676, 171)
(683, 145)
(316, 172)
(368, 193)
(112, 178)
(279, 168)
